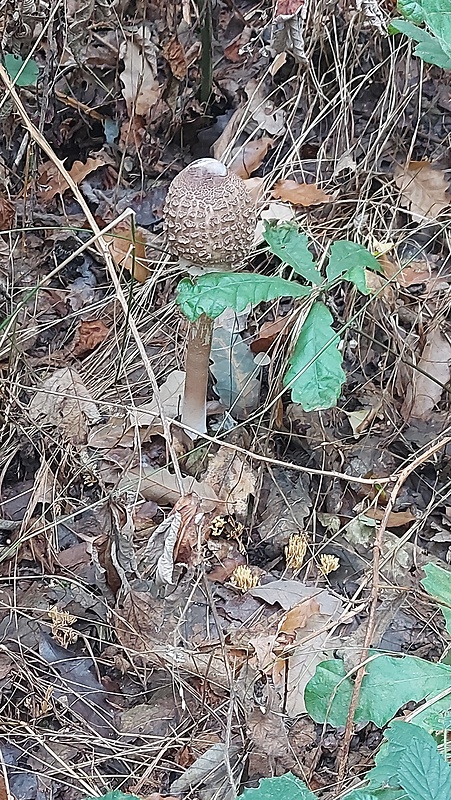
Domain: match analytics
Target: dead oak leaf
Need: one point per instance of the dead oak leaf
(90, 334)
(250, 157)
(423, 188)
(174, 53)
(300, 194)
(434, 371)
(51, 178)
(127, 245)
(141, 89)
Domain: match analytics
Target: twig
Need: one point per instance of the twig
(404, 474)
(104, 250)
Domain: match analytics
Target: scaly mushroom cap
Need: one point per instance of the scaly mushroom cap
(209, 216)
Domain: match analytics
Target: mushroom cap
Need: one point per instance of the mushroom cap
(209, 215)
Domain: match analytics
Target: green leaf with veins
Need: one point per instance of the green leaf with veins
(211, 294)
(29, 75)
(291, 246)
(286, 786)
(316, 376)
(411, 10)
(348, 261)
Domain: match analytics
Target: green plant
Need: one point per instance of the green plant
(315, 375)
(434, 40)
(23, 74)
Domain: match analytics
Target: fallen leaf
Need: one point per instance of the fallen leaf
(396, 519)
(250, 157)
(161, 486)
(54, 183)
(7, 214)
(255, 188)
(64, 402)
(417, 271)
(132, 134)
(288, 8)
(300, 194)
(423, 188)
(127, 245)
(232, 51)
(424, 392)
(232, 479)
(89, 335)
(236, 373)
(268, 334)
(184, 536)
(141, 89)
(171, 395)
(174, 53)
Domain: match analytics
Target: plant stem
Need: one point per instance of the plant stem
(206, 37)
(194, 413)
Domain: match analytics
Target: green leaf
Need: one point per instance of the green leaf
(399, 736)
(376, 794)
(291, 246)
(28, 77)
(423, 773)
(433, 53)
(286, 787)
(389, 683)
(115, 795)
(316, 375)
(438, 584)
(438, 19)
(211, 294)
(412, 10)
(348, 260)
(411, 30)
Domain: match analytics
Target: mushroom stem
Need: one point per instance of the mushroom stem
(194, 414)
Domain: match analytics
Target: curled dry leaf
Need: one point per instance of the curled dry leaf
(90, 334)
(232, 479)
(141, 89)
(174, 53)
(184, 534)
(268, 334)
(53, 182)
(425, 390)
(423, 189)
(250, 157)
(64, 401)
(300, 194)
(128, 248)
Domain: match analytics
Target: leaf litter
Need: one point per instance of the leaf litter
(123, 606)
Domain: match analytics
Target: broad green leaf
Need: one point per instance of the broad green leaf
(389, 683)
(116, 794)
(211, 294)
(286, 787)
(409, 29)
(423, 773)
(438, 584)
(348, 260)
(28, 77)
(316, 376)
(399, 736)
(291, 246)
(412, 10)
(433, 53)
(438, 19)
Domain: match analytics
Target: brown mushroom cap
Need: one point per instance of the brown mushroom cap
(209, 216)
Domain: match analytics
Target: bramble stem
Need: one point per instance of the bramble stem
(194, 413)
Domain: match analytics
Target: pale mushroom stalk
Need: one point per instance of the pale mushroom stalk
(209, 219)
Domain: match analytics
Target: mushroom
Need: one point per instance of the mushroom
(209, 222)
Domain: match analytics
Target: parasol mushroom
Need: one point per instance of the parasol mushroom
(209, 220)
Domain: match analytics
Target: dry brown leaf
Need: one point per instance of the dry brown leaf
(141, 89)
(268, 333)
(298, 616)
(413, 273)
(250, 157)
(232, 479)
(128, 248)
(171, 395)
(90, 334)
(228, 135)
(174, 54)
(423, 188)
(255, 188)
(132, 134)
(7, 214)
(54, 183)
(64, 401)
(424, 392)
(396, 519)
(161, 486)
(232, 51)
(300, 194)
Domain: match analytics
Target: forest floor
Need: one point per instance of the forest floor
(133, 654)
